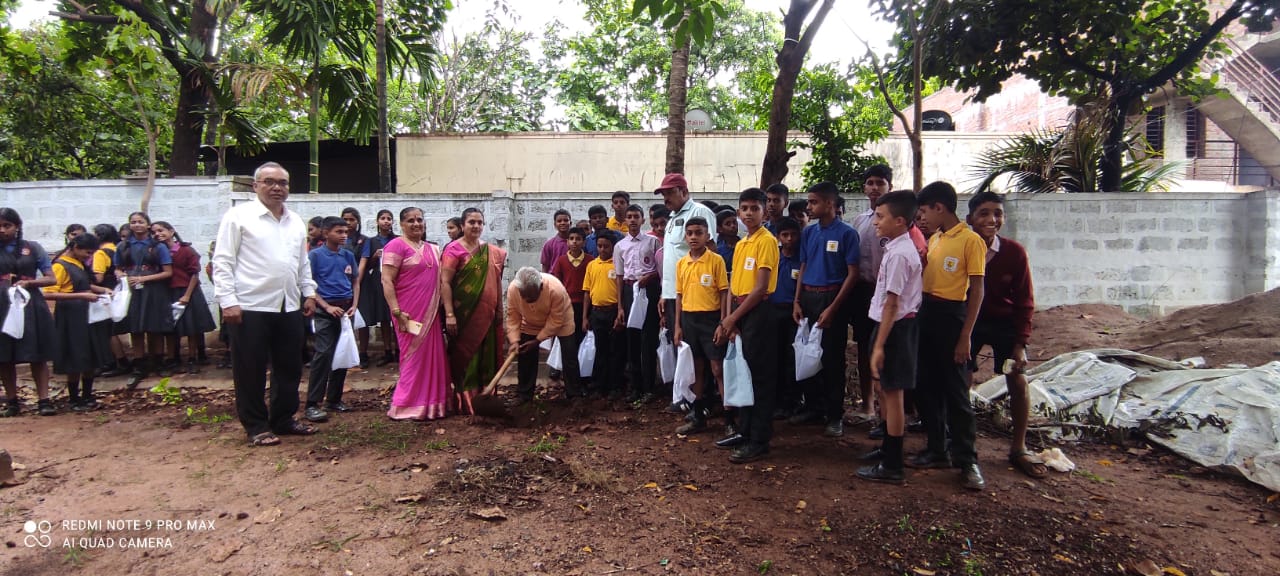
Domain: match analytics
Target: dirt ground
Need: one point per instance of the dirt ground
(143, 487)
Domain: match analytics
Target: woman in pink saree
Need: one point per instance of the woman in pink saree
(411, 284)
(472, 293)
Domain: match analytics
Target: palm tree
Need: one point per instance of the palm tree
(1069, 160)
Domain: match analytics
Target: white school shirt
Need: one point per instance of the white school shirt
(871, 250)
(260, 263)
(901, 274)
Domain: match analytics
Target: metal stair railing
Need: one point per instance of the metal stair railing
(1261, 86)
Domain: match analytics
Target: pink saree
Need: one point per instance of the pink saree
(422, 392)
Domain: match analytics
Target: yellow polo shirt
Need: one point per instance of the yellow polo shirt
(699, 282)
(616, 224)
(101, 261)
(954, 256)
(759, 250)
(601, 282)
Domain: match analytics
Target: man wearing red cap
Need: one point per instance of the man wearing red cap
(675, 196)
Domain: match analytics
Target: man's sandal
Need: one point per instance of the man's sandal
(265, 439)
(1027, 464)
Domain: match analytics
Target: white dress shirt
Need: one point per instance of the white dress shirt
(673, 245)
(260, 263)
(871, 250)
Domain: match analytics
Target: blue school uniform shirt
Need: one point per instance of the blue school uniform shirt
(332, 272)
(132, 256)
(788, 273)
(725, 249)
(827, 251)
(589, 244)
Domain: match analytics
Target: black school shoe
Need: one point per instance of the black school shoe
(11, 408)
(749, 452)
(338, 407)
(879, 473)
(46, 408)
(927, 459)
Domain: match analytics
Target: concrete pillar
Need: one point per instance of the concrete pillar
(1175, 134)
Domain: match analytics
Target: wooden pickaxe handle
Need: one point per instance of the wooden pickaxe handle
(502, 371)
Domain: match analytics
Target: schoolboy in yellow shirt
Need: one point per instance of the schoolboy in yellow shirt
(755, 260)
(702, 302)
(953, 290)
(600, 313)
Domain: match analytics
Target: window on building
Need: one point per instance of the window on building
(1195, 132)
(1155, 131)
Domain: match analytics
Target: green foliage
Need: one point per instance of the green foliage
(66, 120)
(842, 113)
(687, 19)
(488, 81)
(1068, 160)
(1107, 53)
(201, 416)
(171, 395)
(614, 77)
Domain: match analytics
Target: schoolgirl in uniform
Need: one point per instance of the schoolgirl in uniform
(355, 244)
(103, 271)
(373, 307)
(184, 288)
(145, 265)
(73, 292)
(24, 263)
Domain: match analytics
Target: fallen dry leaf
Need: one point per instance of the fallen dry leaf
(1218, 573)
(490, 514)
(801, 505)
(1145, 568)
(1270, 499)
(690, 487)
(1106, 463)
(923, 572)
(586, 549)
(1062, 558)
(1171, 571)
(652, 486)
(268, 516)
(410, 498)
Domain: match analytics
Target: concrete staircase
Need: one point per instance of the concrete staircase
(1248, 110)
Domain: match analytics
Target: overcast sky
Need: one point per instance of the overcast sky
(835, 42)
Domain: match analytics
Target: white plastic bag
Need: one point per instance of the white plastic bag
(639, 307)
(546, 344)
(100, 311)
(738, 391)
(120, 304)
(682, 391)
(14, 321)
(345, 353)
(358, 321)
(178, 309)
(666, 356)
(554, 359)
(808, 345)
(587, 355)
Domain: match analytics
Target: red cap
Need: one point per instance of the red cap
(670, 181)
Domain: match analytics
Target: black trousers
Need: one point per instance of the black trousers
(324, 381)
(527, 367)
(787, 394)
(942, 389)
(611, 350)
(259, 340)
(642, 344)
(824, 393)
(760, 348)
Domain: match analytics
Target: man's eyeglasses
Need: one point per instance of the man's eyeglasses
(272, 183)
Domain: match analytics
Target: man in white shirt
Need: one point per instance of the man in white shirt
(262, 282)
(675, 196)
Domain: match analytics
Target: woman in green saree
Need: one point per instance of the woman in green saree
(472, 296)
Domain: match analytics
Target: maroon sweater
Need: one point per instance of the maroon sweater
(571, 277)
(1007, 291)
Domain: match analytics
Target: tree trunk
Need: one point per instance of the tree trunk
(1113, 147)
(384, 139)
(193, 96)
(775, 152)
(795, 46)
(677, 101)
(313, 117)
(151, 145)
(917, 116)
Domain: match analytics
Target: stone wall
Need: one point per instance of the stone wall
(1149, 253)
